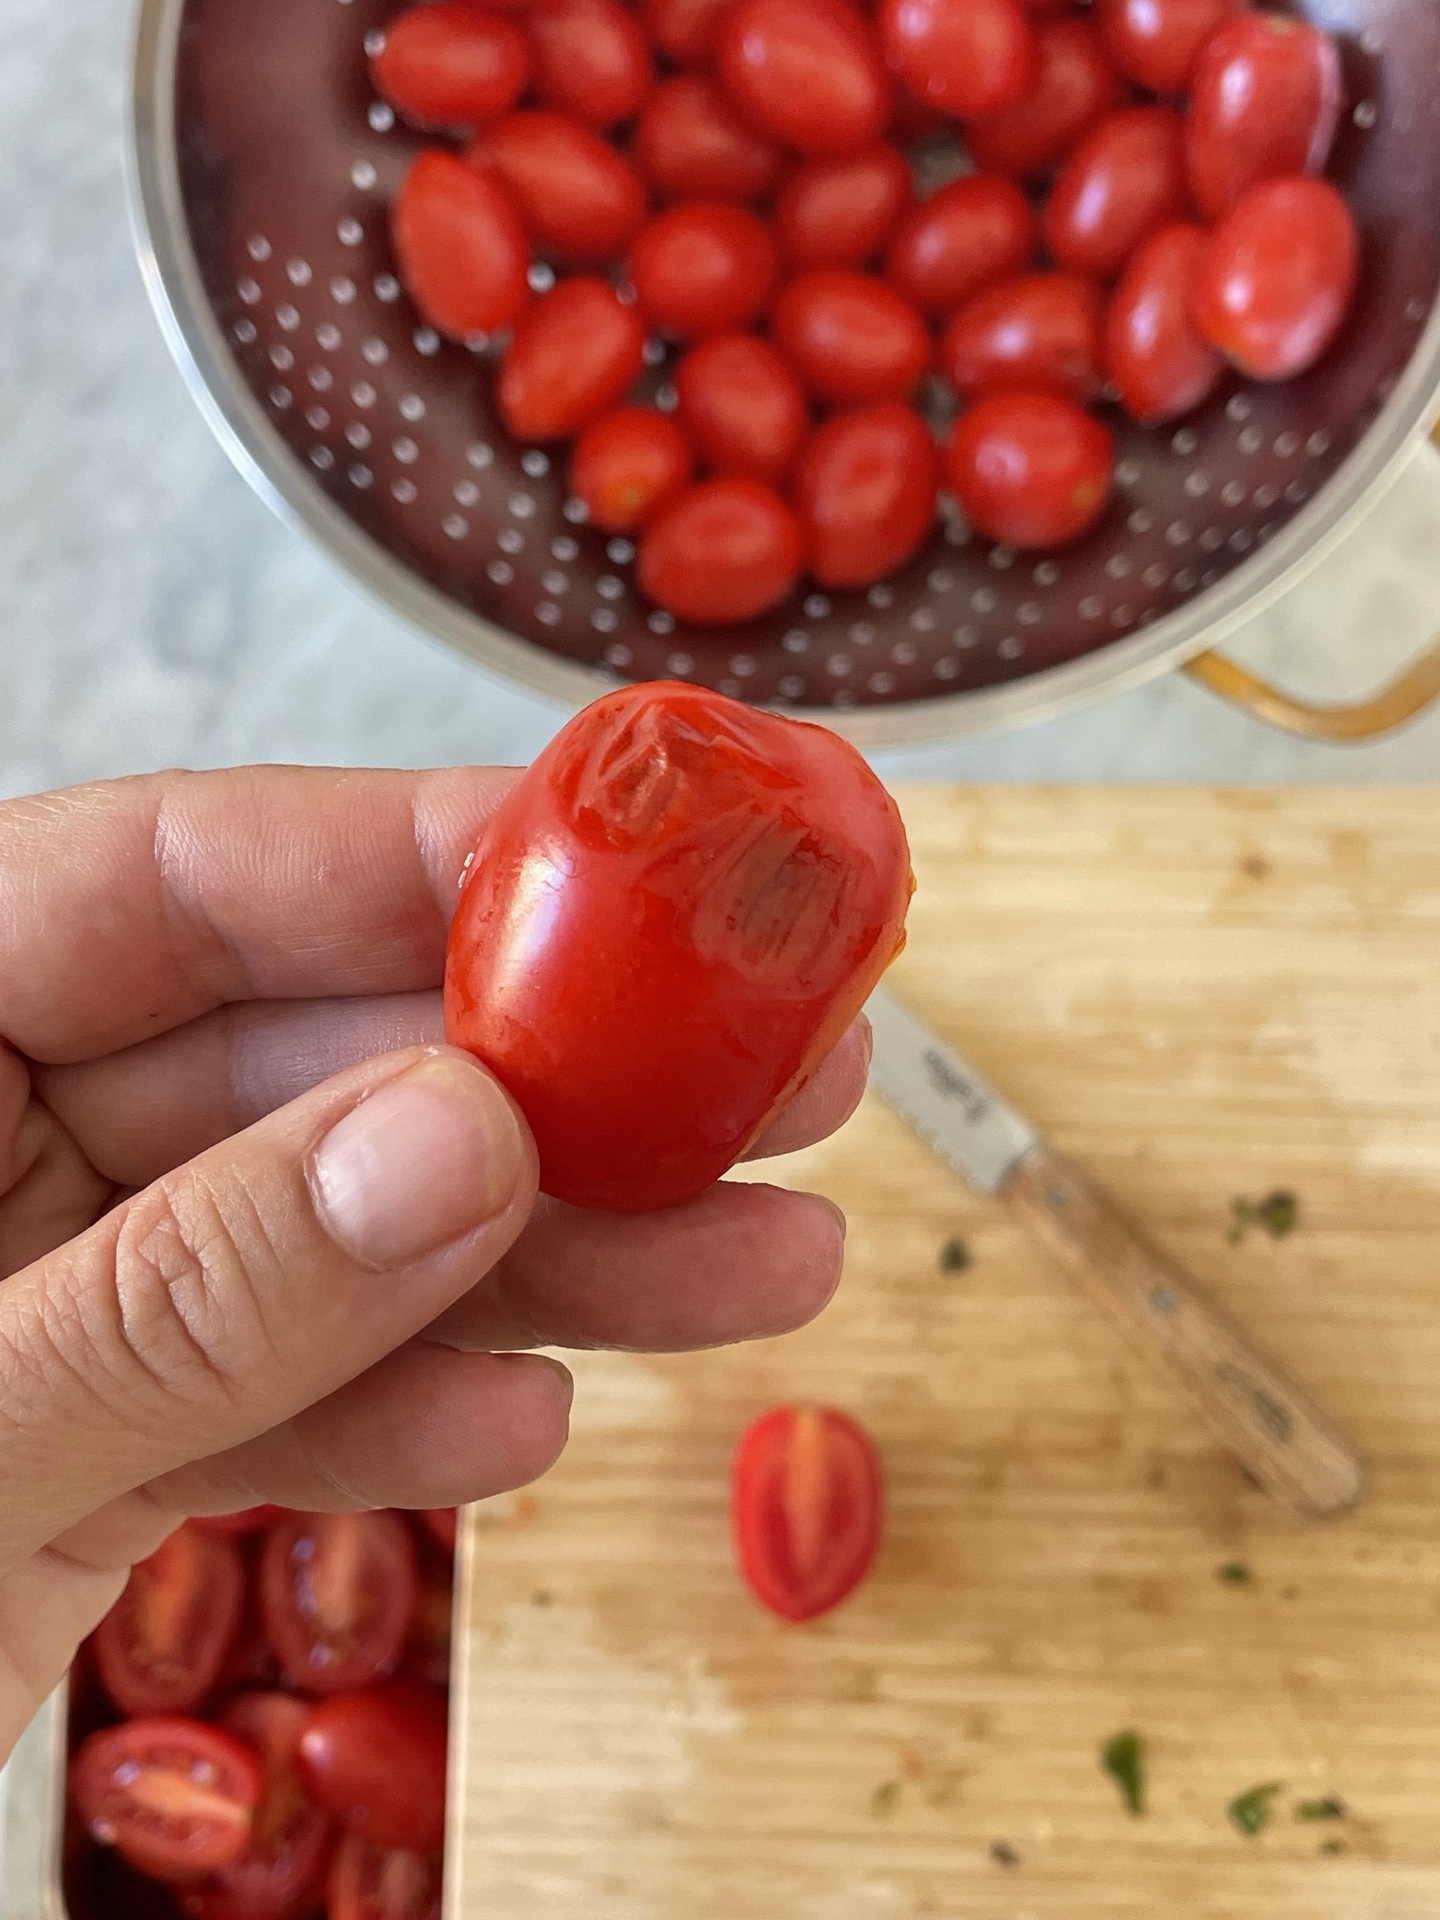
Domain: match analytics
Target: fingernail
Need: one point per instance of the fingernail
(426, 1158)
(824, 1201)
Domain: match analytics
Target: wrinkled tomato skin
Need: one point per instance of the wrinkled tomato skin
(1044, 329)
(337, 1596)
(376, 1760)
(163, 1645)
(721, 553)
(1160, 365)
(1075, 85)
(450, 65)
(591, 59)
(691, 145)
(1031, 469)
(734, 885)
(839, 213)
(1266, 102)
(379, 1883)
(865, 493)
(851, 337)
(806, 1508)
(578, 196)
(806, 72)
(741, 406)
(1125, 178)
(966, 236)
(461, 246)
(624, 467)
(576, 354)
(963, 56)
(198, 1825)
(1157, 42)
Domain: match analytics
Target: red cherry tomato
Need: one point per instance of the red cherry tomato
(1126, 177)
(1265, 102)
(806, 1505)
(442, 1524)
(162, 1646)
(807, 72)
(722, 552)
(1158, 362)
(590, 59)
(1031, 469)
(704, 267)
(1276, 277)
(1157, 42)
(461, 246)
(851, 338)
(450, 65)
(625, 466)
(173, 1797)
(691, 144)
(427, 1651)
(576, 353)
(1075, 85)
(377, 1761)
(963, 56)
(912, 121)
(839, 212)
(578, 196)
(1042, 330)
(685, 31)
(337, 1594)
(741, 406)
(865, 493)
(745, 876)
(232, 1525)
(375, 1883)
(966, 236)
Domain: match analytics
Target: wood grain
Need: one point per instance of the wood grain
(1196, 995)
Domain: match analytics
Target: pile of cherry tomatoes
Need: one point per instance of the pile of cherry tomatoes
(259, 1724)
(734, 178)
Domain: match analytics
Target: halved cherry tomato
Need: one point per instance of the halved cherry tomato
(162, 1646)
(703, 267)
(691, 144)
(578, 195)
(450, 65)
(741, 406)
(337, 1595)
(376, 1760)
(1158, 361)
(461, 246)
(1276, 277)
(807, 72)
(1157, 42)
(1042, 330)
(442, 1524)
(685, 31)
(1030, 468)
(839, 212)
(576, 354)
(851, 338)
(176, 1798)
(963, 56)
(865, 493)
(283, 1867)
(746, 878)
(1265, 102)
(966, 236)
(1125, 178)
(625, 466)
(806, 1506)
(590, 59)
(1074, 86)
(375, 1883)
(722, 552)
(230, 1525)
(427, 1651)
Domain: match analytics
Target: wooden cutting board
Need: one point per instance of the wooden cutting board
(1199, 995)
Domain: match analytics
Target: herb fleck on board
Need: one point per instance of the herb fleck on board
(1234, 1573)
(1277, 1213)
(1250, 1811)
(1003, 1854)
(954, 1255)
(1123, 1758)
(1330, 1807)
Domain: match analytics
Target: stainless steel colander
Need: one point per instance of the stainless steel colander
(263, 167)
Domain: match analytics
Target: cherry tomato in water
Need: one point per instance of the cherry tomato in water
(704, 267)
(807, 72)
(734, 884)
(590, 59)
(1125, 178)
(173, 1797)
(1266, 101)
(576, 353)
(1031, 469)
(1075, 85)
(806, 1506)
(624, 466)
(231, 1525)
(461, 246)
(579, 197)
(1042, 330)
(721, 553)
(692, 145)
(865, 493)
(963, 56)
(337, 1594)
(162, 1646)
(839, 212)
(1160, 365)
(851, 338)
(741, 407)
(685, 31)
(966, 236)
(376, 1760)
(377, 1883)
(1157, 42)
(450, 65)
(1276, 277)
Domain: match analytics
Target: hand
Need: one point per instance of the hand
(267, 1238)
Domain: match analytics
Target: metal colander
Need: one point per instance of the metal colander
(264, 166)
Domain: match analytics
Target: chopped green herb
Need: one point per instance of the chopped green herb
(542, 1597)
(954, 1255)
(882, 1801)
(1277, 1213)
(1250, 1811)
(1234, 1573)
(1330, 1808)
(1003, 1854)
(1123, 1758)
(1332, 1846)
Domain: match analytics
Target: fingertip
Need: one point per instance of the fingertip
(827, 1099)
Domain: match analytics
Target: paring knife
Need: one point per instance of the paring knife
(1295, 1452)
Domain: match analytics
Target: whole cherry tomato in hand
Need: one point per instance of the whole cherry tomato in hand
(461, 246)
(579, 196)
(450, 65)
(1074, 86)
(851, 338)
(337, 1594)
(865, 493)
(175, 1798)
(741, 406)
(692, 145)
(382, 1883)
(807, 72)
(703, 267)
(806, 1505)
(626, 465)
(1157, 42)
(1126, 177)
(734, 885)
(1042, 330)
(162, 1646)
(1265, 102)
(1030, 468)
(966, 236)
(376, 1759)
(963, 56)
(591, 59)
(839, 212)
(576, 353)
(721, 553)
(1160, 365)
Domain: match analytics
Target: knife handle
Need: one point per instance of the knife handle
(1282, 1439)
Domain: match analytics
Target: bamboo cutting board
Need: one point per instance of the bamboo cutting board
(1198, 995)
